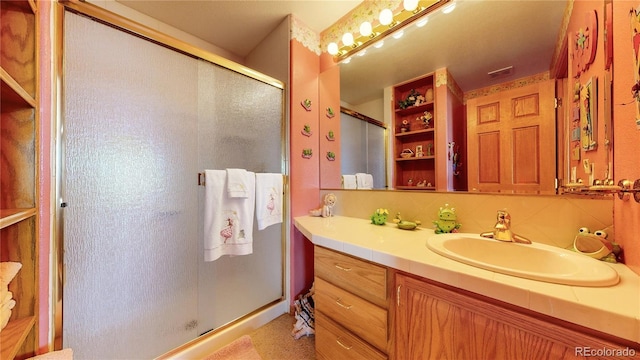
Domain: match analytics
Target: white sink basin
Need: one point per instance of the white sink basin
(532, 261)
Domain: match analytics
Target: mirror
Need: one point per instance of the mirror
(477, 38)
(362, 143)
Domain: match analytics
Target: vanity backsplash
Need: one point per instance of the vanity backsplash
(552, 220)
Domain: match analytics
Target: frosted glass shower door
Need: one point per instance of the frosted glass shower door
(234, 133)
(129, 163)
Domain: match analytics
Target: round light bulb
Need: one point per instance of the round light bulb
(347, 39)
(386, 17)
(410, 5)
(332, 48)
(366, 29)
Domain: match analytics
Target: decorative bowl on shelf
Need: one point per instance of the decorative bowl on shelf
(406, 153)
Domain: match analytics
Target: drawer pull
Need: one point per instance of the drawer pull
(339, 302)
(342, 267)
(343, 345)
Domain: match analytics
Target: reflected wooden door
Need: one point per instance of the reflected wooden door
(511, 140)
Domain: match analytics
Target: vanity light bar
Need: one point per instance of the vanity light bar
(379, 31)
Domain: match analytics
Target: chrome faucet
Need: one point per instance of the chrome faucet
(502, 230)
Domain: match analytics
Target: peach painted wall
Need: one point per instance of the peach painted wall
(45, 173)
(626, 135)
(304, 182)
(329, 93)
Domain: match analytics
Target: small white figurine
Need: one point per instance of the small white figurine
(327, 209)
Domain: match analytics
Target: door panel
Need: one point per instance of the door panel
(514, 134)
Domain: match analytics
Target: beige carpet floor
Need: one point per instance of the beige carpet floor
(273, 341)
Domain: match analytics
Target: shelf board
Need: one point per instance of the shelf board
(13, 92)
(402, 187)
(417, 158)
(13, 335)
(415, 109)
(415, 132)
(9, 217)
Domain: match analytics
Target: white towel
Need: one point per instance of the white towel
(5, 297)
(349, 182)
(268, 199)
(228, 222)
(4, 318)
(364, 181)
(8, 305)
(8, 270)
(237, 183)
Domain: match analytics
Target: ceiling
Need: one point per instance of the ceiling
(479, 36)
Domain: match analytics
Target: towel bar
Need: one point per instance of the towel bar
(202, 179)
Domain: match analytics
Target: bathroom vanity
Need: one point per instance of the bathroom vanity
(382, 294)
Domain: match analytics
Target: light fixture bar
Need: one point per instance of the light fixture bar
(379, 31)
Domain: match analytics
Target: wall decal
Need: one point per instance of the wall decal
(330, 112)
(588, 115)
(306, 104)
(331, 156)
(585, 43)
(307, 153)
(331, 136)
(306, 131)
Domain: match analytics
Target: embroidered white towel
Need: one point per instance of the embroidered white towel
(268, 199)
(349, 182)
(364, 181)
(237, 183)
(228, 222)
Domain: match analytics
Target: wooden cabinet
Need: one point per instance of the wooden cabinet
(434, 322)
(414, 103)
(18, 171)
(351, 307)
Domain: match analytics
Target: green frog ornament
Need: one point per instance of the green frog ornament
(447, 221)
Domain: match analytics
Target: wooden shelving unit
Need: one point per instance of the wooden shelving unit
(419, 171)
(18, 178)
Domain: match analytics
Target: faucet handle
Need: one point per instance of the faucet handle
(503, 220)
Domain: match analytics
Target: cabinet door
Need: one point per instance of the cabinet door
(436, 323)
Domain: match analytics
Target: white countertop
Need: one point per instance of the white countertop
(614, 310)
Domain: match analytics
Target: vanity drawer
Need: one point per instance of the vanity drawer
(334, 342)
(364, 319)
(362, 278)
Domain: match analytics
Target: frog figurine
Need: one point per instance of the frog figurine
(380, 216)
(447, 221)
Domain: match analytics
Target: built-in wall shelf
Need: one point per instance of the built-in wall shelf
(19, 111)
(415, 187)
(415, 109)
(414, 100)
(9, 217)
(13, 335)
(415, 132)
(13, 93)
(416, 158)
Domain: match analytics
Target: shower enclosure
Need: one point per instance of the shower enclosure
(139, 120)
